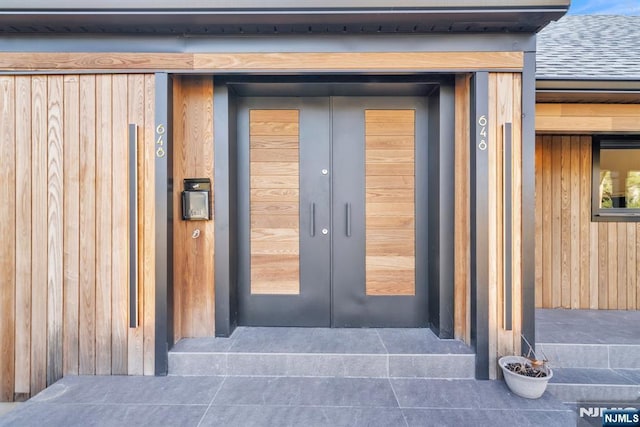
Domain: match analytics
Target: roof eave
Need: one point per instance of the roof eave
(462, 19)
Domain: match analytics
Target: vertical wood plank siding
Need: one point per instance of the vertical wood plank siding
(462, 231)
(505, 106)
(584, 264)
(7, 242)
(193, 266)
(63, 218)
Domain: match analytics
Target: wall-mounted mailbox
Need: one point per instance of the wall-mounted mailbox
(196, 199)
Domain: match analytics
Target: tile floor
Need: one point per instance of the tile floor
(588, 326)
(283, 401)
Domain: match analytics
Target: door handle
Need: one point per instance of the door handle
(312, 222)
(348, 209)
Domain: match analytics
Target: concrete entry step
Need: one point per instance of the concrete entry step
(595, 354)
(599, 356)
(575, 385)
(323, 352)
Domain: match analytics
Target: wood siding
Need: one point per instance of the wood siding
(193, 262)
(462, 211)
(587, 118)
(580, 264)
(274, 147)
(505, 106)
(64, 218)
(271, 61)
(390, 202)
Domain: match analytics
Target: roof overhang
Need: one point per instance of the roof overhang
(258, 16)
(588, 91)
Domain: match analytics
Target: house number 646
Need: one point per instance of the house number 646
(482, 123)
(160, 130)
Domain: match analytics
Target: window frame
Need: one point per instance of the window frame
(610, 214)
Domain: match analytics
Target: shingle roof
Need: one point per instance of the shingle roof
(590, 47)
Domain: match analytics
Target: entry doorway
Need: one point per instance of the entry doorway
(332, 195)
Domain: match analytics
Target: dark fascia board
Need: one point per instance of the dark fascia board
(253, 5)
(587, 85)
(163, 16)
(588, 91)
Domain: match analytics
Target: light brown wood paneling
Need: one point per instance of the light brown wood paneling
(505, 101)
(516, 208)
(275, 225)
(38, 233)
(586, 291)
(23, 237)
(96, 62)
(55, 226)
(389, 250)
(556, 224)
(462, 210)
(135, 108)
(543, 200)
(284, 61)
(119, 227)
(7, 231)
(63, 156)
(494, 199)
(539, 241)
(71, 224)
(603, 282)
(637, 290)
(193, 257)
(87, 333)
(565, 221)
(585, 264)
(587, 118)
(422, 61)
(575, 222)
(147, 213)
(104, 195)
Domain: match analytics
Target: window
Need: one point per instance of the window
(616, 179)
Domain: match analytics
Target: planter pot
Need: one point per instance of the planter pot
(523, 386)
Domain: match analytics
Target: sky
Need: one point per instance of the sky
(600, 7)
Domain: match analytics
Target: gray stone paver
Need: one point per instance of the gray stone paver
(282, 401)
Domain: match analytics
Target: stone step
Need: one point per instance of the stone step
(320, 352)
(576, 385)
(600, 356)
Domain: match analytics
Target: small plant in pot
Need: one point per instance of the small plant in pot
(527, 376)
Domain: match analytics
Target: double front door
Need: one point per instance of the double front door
(332, 211)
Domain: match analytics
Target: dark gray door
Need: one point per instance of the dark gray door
(285, 258)
(333, 211)
(379, 212)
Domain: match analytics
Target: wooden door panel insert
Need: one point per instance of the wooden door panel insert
(274, 201)
(390, 202)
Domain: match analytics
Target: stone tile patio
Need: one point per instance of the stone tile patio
(283, 401)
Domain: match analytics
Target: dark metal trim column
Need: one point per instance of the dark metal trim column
(225, 210)
(480, 223)
(528, 196)
(441, 218)
(164, 222)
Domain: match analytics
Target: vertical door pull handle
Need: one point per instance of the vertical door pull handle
(348, 206)
(312, 222)
(133, 226)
